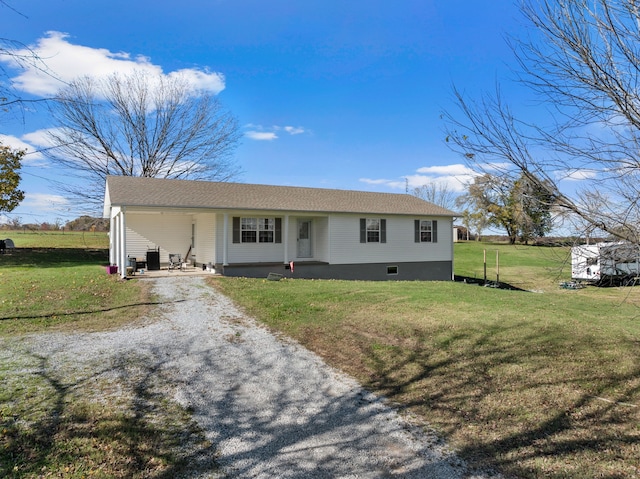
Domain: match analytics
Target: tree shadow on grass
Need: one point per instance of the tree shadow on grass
(282, 434)
(112, 421)
(62, 314)
(280, 414)
(543, 423)
(487, 283)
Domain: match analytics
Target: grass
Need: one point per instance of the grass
(57, 239)
(521, 266)
(72, 425)
(543, 384)
(63, 287)
(538, 384)
(92, 425)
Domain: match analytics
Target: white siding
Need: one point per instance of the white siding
(219, 238)
(292, 251)
(335, 239)
(205, 241)
(400, 246)
(172, 233)
(320, 242)
(319, 238)
(256, 253)
(247, 252)
(271, 252)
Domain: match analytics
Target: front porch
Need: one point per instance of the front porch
(215, 238)
(165, 272)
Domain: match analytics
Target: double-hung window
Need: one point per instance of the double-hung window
(373, 230)
(249, 229)
(266, 228)
(426, 231)
(257, 230)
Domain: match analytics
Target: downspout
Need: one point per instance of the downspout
(453, 269)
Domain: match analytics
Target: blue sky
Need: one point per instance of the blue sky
(328, 94)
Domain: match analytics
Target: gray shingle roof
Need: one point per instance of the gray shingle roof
(164, 193)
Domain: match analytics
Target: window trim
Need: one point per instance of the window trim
(364, 230)
(417, 235)
(268, 229)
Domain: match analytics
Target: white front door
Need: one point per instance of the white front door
(304, 239)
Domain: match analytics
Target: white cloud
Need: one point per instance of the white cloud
(44, 202)
(32, 156)
(261, 135)
(457, 183)
(370, 181)
(294, 130)
(455, 177)
(62, 62)
(202, 80)
(395, 184)
(577, 175)
(39, 138)
(446, 170)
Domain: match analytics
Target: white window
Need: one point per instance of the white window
(249, 229)
(256, 230)
(266, 227)
(373, 230)
(426, 231)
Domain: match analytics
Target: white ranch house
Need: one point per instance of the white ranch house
(253, 230)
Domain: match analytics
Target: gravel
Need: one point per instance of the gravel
(269, 407)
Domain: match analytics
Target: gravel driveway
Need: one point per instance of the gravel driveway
(269, 407)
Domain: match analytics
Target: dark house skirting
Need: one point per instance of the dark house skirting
(423, 271)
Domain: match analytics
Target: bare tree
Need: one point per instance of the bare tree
(19, 56)
(584, 61)
(437, 193)
(140, 125)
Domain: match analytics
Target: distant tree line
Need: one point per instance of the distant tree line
(83, 223)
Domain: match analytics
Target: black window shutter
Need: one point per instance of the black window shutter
(416, 231)
(278, 238)
(383, 231)
(363, 230)
(434, 234)
(236, 229)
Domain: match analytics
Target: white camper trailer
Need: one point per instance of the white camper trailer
(605, 263)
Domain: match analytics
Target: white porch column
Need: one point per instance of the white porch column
(122, 266)
(225, 240)
(113, 235)
(285, 240)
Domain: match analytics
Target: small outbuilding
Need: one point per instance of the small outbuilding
(253, 230)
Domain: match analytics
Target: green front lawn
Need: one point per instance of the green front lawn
(541, 384)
